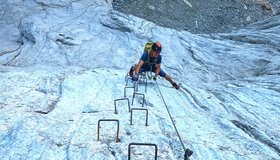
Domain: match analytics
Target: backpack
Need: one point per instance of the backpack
(147, 48)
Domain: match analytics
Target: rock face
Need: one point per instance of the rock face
(199, 16)
(63, 64)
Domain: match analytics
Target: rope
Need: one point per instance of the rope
(187, 151)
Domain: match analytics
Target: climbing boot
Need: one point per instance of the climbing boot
(131, 71)
(175, 85)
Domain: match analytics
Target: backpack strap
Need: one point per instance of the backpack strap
(148, 48)
(148, 61)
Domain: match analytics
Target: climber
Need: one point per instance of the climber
(151, 61)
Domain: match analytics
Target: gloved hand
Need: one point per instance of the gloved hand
(135, 77)
(155, 78)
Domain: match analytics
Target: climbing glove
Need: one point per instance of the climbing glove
(135, 77)
(155, 78)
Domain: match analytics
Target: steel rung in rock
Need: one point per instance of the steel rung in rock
(141, 94)
(142, 144)
(112, 120)
(121, 99)
(139, 109)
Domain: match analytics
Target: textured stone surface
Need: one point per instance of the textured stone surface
(63, 64)
(200, 16)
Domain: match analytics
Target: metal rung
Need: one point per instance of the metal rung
(126, 87)
(112, 120)
(121, 99)
(127, 77)
(141, 94)
(139, 109)
(142, 144)
(143, 79)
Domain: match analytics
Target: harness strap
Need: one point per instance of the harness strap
(149, 60)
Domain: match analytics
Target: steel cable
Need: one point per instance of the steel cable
(187, 151)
